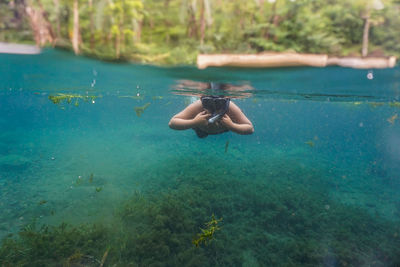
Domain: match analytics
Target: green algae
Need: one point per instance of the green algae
(207, 234)
(91, 177)
(395, 104)
(42, 202)
(136, 97)
(283, 217)
(139, 110)
(68, 98)
(226, 146)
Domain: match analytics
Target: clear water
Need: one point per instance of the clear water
(325, 139)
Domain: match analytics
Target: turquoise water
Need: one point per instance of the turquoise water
(316, 184)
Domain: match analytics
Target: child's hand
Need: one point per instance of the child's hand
(227, 121)
(201, 119)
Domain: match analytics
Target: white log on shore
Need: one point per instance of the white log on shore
(363, 63)
(9, 48)
(291, 59)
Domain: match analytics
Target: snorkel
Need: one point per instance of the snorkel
(215, 118)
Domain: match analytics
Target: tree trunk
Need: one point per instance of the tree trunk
(202, 23)
(91, 24)
(40, 25)
(208, 12)
(122, 33)
(364, 51)
(75, 32)
(192, 30)
(117, 45)
(272, 19)
(260, 4)
(137, 29)
(58, 27)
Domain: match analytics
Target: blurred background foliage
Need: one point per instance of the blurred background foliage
(175, 31)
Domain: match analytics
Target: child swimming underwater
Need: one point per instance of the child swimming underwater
(212, 115)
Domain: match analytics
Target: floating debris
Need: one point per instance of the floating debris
(207, 234)
(139, 110)
(136, 97)
(91, 178)
(42, 202)
(394, 104)
(103, 260)
(60, 98)
(392, 119)
(98, 189)
(79, 180)
(376, 104)
(157, 97)
(226, 146)
(310, 143)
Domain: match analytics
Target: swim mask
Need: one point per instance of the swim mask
(217, 105)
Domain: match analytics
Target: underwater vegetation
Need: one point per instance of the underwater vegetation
(68, 98)
(207, 234)
(136, 97)
(394, 104)
(226, 146)
(274, 215)
(63, 245)
(310, 143)
(139, 110)
(392, 119)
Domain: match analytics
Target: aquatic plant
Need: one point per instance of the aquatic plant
(61, 98)
(79, 181)
(310, 143)
(139, 110)
(54, 246)
(207, 234)
(226, 146)
(376, 104)
(42, 202)
(395, 104)
(392, 119)
(136, 97)
(278, 214)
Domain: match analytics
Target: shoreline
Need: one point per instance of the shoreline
(263, 60)
(21, 49)
(285, 59)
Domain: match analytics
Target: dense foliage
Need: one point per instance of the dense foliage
(283, 217)
(174, 31)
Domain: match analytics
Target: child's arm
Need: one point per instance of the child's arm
(192, 116)
(236, 121)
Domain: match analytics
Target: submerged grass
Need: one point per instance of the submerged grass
(273, 215)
